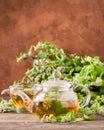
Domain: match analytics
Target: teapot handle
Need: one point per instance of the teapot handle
(84, 103)
(38, 90)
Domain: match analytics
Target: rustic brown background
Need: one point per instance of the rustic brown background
(75, 25)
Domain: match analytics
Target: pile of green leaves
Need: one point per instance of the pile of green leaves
(85, 70)
(46, 58)
(6, 106)
(68, 117)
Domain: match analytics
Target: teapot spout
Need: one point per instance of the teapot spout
(28, 103)
(5, 91)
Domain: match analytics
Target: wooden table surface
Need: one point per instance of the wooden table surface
(13, 121)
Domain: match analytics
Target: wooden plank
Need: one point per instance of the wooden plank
(14, 117)
(92, 125)
(13, 121)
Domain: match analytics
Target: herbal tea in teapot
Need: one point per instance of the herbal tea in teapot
(55, 102)
(54, 107)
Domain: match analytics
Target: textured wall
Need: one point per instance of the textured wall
(75, 25)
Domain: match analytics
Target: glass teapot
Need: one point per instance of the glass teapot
(55, 97)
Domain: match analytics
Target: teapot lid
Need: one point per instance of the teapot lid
(55, 82)
(61, 85)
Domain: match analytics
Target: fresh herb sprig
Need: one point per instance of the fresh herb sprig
(68, 117)
(45, 62)
(6, 106)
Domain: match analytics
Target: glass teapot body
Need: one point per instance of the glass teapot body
(54, 100)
